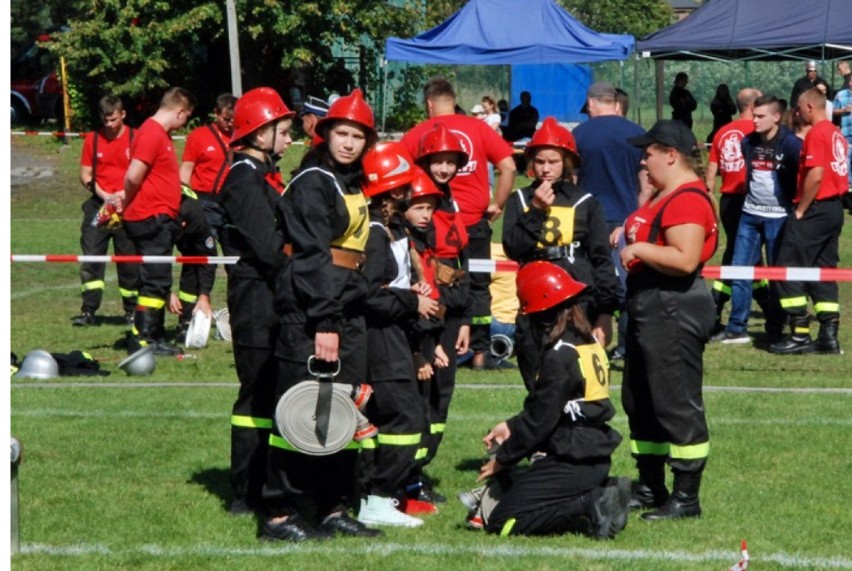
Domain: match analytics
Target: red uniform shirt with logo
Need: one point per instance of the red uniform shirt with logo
(113, 159)
(207, 147)
(470, 186)
(824, 147)
(726, 151)
(159, 192)
(680, 208)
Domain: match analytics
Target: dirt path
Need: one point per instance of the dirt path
(26, 167)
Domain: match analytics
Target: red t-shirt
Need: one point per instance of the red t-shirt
(206, 147)
(726, 151)
(685, 208)
(159, 192)
(113, 159)
(470, 187)
(824, 147)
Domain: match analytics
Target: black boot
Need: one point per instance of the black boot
(650, 491)
(684, 499)
(799, 341)
(146, 324)
(827, 342)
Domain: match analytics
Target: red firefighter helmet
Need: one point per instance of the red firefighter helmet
(422, 185)
(257, 108)
(440, 139)
(386, 166)
(352, 108)
(552, 134)
(542, 285)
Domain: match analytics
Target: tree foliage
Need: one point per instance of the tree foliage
(636, 17)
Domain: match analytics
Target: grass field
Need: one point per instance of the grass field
(127, 472)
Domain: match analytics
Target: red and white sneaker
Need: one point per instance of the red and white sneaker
(474, 522)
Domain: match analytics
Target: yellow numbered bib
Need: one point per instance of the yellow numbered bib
(355, 237)
(558, 227)
(595, 368)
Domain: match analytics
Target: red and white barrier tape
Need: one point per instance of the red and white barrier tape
(743, 563)
(480, 266)
(128, 259)
(715, 272)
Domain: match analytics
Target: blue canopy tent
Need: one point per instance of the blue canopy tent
(746, 30)
(508, 32)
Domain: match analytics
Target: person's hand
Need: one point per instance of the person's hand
(326, 346)
(489, 469)
(497, 435)
(544, 195)
(175, 306)
(422, 288)
(493, 211)
(441, 358)
(602, 330)
(629, 257)
(203, 305)
(798, 214)
(426, 306)
(615, 236)
(425, 372)
(463, 340)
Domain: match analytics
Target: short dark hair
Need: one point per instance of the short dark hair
(438, 87)
(769, 100)
(681, 75)
(622, 99)
(109, 104)
(178, 96)
(225, 101)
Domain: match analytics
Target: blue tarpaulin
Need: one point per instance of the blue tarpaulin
(557, 89)
(510, 32)
(757, 30)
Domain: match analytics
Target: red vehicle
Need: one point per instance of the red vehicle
(36, 90)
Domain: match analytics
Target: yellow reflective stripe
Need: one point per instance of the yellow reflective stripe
(827, 307)
(399, 439)
(757, 284)
(94, 284)
(187, 297)
(794, 302)
(690, 452)
(250, 421)
(152, 302)
(649, 448)
(279, 442)
(87, 356)
(128, 292)
(481, 320)
(187, 191)
(437, 428)
(421, 453)
(369, 444)
(722, 287)
(802, 330)
(507, 527)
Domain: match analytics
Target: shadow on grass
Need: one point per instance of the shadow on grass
(470, 465)
(216, 481)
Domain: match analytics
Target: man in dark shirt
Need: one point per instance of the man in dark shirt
(804, 83)
(523, 119)
(682, 101)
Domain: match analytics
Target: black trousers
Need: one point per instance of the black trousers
(396, 409)
(549, 498)
(95, 242)
(153, 236)
(438, 392)
(328, 483)
(479, 248)
(670, 323)
(812, 242)
(730, 212)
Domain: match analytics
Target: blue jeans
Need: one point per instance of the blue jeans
(752, 233)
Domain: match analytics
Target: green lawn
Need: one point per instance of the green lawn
(118, 473)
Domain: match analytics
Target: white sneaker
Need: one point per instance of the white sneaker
(376, 510)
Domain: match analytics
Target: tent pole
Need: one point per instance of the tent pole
(637, 106)
(660, 66)
(384, 92)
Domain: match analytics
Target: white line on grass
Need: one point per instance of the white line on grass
(386, 549)
(178, 415)
(130, 385)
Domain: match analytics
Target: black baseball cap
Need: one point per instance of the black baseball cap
(669, 133)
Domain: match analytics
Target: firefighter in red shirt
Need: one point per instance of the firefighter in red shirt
(150, 208)
(106, 156)
(812, 231)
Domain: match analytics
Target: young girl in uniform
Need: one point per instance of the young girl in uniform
(554, 220)
(320, 301)
(441, 155)
(395, 407)
(567, 489)
(248, 197)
